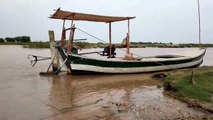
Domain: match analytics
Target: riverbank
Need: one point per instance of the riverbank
(102, 45)
(193, 86)
(25, 95)
(29, 44)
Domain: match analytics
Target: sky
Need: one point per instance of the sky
(165, 21)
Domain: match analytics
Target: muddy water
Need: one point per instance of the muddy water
(24, 95)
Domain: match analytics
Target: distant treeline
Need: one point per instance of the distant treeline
(26, 43)
(18, 39)
(168, 45)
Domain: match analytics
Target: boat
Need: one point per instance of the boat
(81, 64)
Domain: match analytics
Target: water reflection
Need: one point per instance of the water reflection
(61, 92)
(25, 95)
(125, 97)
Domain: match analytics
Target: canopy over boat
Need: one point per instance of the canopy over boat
(75, 16)
(68, 15)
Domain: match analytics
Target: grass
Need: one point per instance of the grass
(101, 45)
(29, 44)
(183, 87)
(37, 45)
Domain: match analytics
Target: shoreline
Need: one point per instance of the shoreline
(190, 93)
(86, 45)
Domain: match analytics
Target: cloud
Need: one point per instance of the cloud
(156, 20)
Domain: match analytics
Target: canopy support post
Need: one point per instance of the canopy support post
(63, 35)
(128, 38)
(110, 40)
(70, 43)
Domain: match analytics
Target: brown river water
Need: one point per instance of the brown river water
(25, 95)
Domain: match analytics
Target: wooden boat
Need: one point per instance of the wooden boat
(80, 64)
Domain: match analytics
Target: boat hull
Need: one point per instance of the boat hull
(84, 65)
(88, 69)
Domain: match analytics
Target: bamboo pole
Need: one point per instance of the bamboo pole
(199, 20)
(54, 52)
(110, 40)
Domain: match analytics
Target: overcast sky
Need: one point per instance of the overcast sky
(156, 20)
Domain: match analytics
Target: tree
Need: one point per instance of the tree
(25, 39)
(18, 39)
(8, 39)
(1, 40)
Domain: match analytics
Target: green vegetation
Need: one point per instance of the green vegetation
(36, 45)
(2, 40)
(90, 45)
(167, 45)
(26, 42)
(18, 39)
(186, 85)
(29, 44)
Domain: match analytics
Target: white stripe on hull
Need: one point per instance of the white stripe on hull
(133, 70)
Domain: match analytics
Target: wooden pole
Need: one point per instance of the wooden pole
(63, 35)
(199, 20)
(128, 38)
(110, 40)
(54, 52)
(70, 43)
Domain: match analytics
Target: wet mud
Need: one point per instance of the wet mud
(123, 97)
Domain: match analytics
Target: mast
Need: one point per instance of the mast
(199, 20)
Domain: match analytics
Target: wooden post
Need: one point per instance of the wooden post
(54, 52)
(110, 40)
(128, 56)
(128, 38)
(63, 35)
(70, 43)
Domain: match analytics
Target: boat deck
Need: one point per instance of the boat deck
(171, 57)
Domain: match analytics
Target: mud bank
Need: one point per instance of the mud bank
(117, 97)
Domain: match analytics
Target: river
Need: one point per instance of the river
(25, 95)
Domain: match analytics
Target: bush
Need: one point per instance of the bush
(23, 39)
(1, 40)
(8, 39)
(18, 39)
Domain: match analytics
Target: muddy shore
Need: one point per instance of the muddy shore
(25, 95)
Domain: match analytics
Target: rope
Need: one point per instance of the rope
(91, 35)
(139, 56)
(102, 40)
